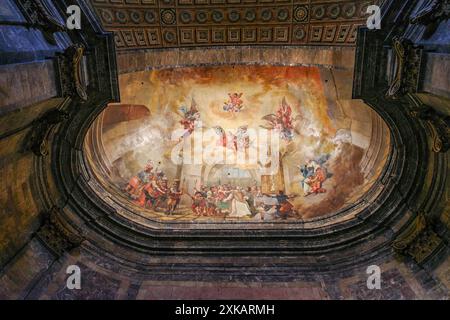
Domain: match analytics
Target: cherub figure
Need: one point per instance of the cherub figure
(282, 121)
(190, 117)
(234, 103)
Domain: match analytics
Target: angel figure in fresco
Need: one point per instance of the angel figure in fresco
(235, 141)
(282, 121)
(234, 103)
(190, 117)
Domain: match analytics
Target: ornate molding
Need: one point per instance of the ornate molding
(38, 16)
(41, 128)
(70, 72)
(441, 135)
(439, 123)
(418, 240)
(410, 233)
(434, 12)
(185, 23)
(406, 68)
(56, 236)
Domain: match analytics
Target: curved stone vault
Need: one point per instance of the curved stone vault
(66, 162)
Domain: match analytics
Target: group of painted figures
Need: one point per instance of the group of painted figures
(314, 175)
(282, 120)
(150, 189)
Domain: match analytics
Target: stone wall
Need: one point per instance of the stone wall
(140, 60)
(28, 88)
(22, 85)
(101, 280)
(19, 207)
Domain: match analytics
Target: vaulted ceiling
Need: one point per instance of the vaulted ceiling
(56, 211)
(140, 24)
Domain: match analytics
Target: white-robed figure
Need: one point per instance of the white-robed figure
(239, 207)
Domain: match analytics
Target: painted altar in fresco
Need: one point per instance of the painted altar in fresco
(258, 143)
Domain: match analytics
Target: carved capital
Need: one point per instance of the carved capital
(71, 75)
(440, 126)
(56, 236)
(418, 240)
(38, 16)
(406, 68)
(441, 137)
(41, 128)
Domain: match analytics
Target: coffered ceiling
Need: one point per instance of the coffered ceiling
(140, 24)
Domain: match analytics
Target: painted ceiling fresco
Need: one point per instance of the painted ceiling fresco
(247, 143)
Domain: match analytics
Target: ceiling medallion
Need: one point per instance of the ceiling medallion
(283, 14)
(201, 17)
(217, 16)
(150, 16)
(121, 16)
(169, 36)
(319, 12)
(266, 14)
(185, 17)
(299, 33)
(107, 16)
(234, 16)
(250, 15)
(168, 16)
(301, 14)
(135, 16)
(333, 11)
(349, 10)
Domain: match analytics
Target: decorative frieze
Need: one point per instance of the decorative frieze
(154, 24)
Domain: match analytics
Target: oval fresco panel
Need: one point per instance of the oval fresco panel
(247, 143)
